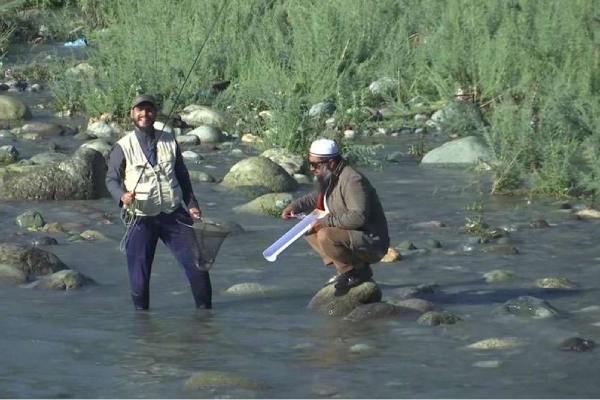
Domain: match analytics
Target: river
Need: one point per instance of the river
(90, 343)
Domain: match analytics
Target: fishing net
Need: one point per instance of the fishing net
(209, 238)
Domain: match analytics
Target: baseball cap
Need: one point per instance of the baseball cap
(143, 99)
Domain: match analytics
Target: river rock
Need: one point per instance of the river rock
(100, 145)
(416, 304)
(589, 213)
(12, 108)
(292, 163)
(44, 241)
(201, 176)
(458, 117)
(249, 289)
(504, 343)
(322, 110)
(406, 246)
(11, 275)
(391, 256)
(66, 279)
(207, 134)
(385, 86)
(91, 234)
(48, 157)
(499, 276)
(216, 379)
(79, 178)
(413, 291)
(434, 318)
(196, 115)
(577, 344)
(267, 204)
(31, 220)
(187, 140)
(364, 312)
(325, 301)
(101, 130)
(43, 129)
(191, 156)
(262, 173)
(8, 154)
(528, 306)
(30, 260)
(168, 127)
(465, 151)
(557, 283)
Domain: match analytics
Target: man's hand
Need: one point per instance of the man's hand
(288, 212)
(195, 213)
(127, 198)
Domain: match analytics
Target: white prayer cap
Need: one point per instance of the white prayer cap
(324, 148)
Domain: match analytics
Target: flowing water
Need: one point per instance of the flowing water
(91, 343)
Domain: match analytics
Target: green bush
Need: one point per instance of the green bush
(532, 66)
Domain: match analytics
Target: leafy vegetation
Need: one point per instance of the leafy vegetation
(530, 68)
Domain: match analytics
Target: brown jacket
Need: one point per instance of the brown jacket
(353, 205)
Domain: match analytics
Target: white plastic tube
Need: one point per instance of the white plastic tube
(271, 253)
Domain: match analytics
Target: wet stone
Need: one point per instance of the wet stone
(44, 241)
(31, 220)
(406, 246)
(419, 305)
(434, 318)
(66, 279)
(433, 244)
(378, 310)
(539, 224)
(577, 344)
(556, 283)
(327, 303)
(499, 276)
(504, 343)
(528, 306)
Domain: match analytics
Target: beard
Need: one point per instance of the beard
(322, 181)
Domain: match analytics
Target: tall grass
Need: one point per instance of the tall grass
(533, 67)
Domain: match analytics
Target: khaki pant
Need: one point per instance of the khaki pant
(335, 247)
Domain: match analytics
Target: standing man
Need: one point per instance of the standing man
(354, 233)
(147, 176)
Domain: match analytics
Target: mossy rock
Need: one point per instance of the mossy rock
(30, 260)
(262, 173)
(217, 379)
(13, 109)
(267, 204)
(327, 303)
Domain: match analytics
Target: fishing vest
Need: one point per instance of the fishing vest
(156, 188)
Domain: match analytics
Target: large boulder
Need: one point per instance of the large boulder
(79, 178)
(196, 115)
(30, 260)
(326, 302)
(207, 134)
(469, 150)
(12, 108)
(259, 172)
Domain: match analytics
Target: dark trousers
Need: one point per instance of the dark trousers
(181, 240)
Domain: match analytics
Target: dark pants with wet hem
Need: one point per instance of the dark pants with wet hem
(181, 240)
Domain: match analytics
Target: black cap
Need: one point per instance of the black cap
(143, 99)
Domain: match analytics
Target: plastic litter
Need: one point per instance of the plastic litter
(81, 42)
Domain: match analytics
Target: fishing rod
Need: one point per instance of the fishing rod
(128, 215)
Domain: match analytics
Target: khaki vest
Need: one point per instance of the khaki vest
(156, 188)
